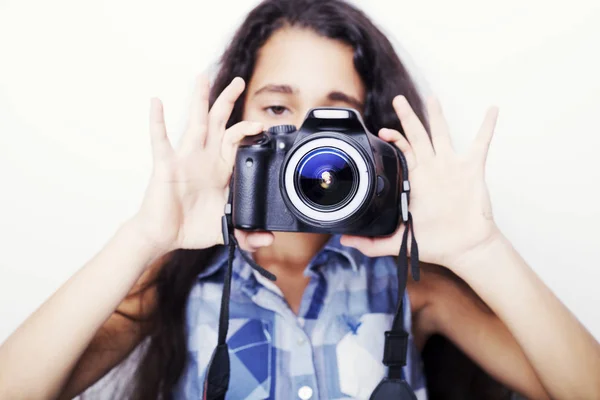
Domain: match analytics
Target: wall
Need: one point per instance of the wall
(76, 78)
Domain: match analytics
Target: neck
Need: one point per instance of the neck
(291, 251)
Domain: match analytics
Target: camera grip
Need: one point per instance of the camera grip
(249, 189)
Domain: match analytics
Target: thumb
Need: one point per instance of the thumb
(252, 241)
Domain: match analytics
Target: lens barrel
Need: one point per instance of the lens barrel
(326, 179)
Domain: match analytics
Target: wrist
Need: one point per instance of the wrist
(480, 255)
(134, 230)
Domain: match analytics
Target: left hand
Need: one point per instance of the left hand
(449, 200)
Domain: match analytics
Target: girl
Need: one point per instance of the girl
(316, 332)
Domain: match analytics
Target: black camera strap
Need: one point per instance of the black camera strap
(395, 350)
(393, 387)
(218, 371)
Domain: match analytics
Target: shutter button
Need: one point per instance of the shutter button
(305, 392)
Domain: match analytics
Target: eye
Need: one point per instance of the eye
(276, 110)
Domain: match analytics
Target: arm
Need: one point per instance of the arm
(36, 360)
(456, 312)
(454, 227)
(564, 355)
(129, 324)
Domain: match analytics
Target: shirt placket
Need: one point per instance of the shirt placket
(290, 335)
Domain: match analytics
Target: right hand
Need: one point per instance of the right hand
(185, 198)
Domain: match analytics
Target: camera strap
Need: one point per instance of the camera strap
(396, 340)
(395, 351)
(218, 371)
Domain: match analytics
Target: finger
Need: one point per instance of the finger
(252, 241)
(413, 128)
(375, 247)
(221, 110)
(161, 147)
(392, 135)
(440, 133)
(195, 132)
(482, 142)
(234, 135)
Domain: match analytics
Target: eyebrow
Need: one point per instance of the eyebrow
(346, 98)
(333, 96)
(286, 89)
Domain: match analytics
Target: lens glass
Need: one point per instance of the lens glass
(326, 178)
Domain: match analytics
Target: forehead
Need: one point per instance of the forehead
(313, 64)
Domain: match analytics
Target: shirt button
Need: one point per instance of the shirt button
(305, 392)
(301, 341)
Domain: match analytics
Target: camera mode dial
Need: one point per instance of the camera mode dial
(260, 140)
(282, 129)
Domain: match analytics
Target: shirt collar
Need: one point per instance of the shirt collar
(333, 247)
(218, 261)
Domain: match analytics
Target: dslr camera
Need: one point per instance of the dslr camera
(329, 176)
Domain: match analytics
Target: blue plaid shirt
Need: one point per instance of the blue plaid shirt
(331, 349)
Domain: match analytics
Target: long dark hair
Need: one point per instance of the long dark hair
(384, 77)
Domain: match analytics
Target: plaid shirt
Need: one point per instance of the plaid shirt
(331, 349)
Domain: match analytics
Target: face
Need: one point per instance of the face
(297, 70)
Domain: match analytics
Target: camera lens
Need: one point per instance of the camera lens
(326, 178)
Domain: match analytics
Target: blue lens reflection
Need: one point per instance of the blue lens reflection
(326, 178)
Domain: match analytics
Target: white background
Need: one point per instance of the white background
(76, 78)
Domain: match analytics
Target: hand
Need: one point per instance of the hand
(449, 200)
(185, 199)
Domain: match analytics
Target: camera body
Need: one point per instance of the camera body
(329, 176)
